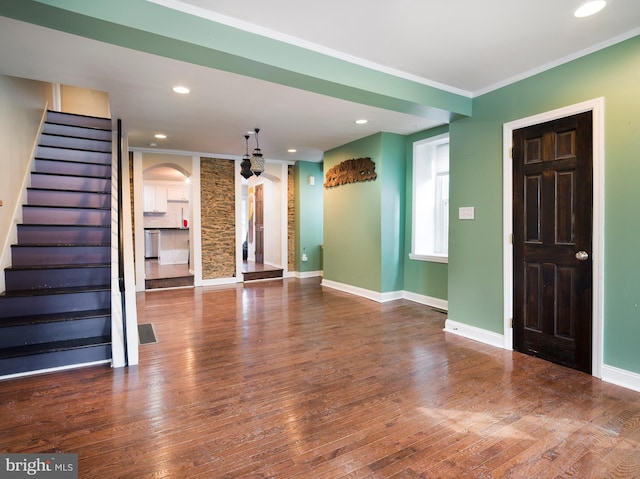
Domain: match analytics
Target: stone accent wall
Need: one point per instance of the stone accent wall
(291, 219)
(133, 221)
(217, 180)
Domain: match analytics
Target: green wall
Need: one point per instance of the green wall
(475, 247)
(362, 221)
(309, 216)
(352, 238)
(392, 175)
(421, 277)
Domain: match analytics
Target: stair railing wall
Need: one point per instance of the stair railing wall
(124, 315)
(121, 285)
(11, 235)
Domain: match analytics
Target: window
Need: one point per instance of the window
(430, 241)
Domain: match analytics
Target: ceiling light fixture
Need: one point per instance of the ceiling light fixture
(245, 165)
(257, 161)
(160, 136)
(254, 164)
(361, 122)
(292, 150)
(182, 90)
(590, 8)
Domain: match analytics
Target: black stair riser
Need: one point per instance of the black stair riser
(11, 306)
(39, 333)
(69, 234)
(48, 152)
(72, 168)
(74, 143)
(59, 255)
(68, 198)
(77, 131)
(76, 183)
(21, 279)
(65, 216)
(79, 120)
(70, 357)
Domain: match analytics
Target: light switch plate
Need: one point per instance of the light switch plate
(466, 213)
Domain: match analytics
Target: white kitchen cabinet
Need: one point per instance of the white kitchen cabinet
(178, 193)
(154, 199)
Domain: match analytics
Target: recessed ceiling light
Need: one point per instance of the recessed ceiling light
(183, 90)
(361, 122)
(153, 143)
(292, 150)
(160, 136)
(590, 8)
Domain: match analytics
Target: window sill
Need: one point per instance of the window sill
(430, 258)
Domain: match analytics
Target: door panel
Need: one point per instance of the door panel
(553, 220)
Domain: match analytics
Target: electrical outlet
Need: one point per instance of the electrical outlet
(305, 257)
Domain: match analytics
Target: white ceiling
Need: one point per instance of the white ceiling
(469, 45)
(464, 46)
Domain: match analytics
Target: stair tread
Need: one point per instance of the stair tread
(70, 176)
(43, 348)
(53, 317)
(59, 225)
(88, 150)
(102, 208)
(73, 137)
(84, 127)
(60, 245)
(53, 291)
(79, 162)
(56, 266)
(56, 190)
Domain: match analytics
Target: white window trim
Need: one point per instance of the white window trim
(430, 258)
(412, 255)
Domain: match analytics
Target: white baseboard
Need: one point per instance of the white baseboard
(477, 334)
(305, 274)
(437, 303)
(218, 281)
(621, 377)
(384, 297)
(347, 288)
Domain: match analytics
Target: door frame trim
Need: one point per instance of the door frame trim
(597, 107)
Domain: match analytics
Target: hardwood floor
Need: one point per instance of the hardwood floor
(285, 379)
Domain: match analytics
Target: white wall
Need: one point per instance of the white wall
(22, 105)
(273, 190)
(273, 186)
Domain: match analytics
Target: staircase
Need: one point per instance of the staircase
(56, 310)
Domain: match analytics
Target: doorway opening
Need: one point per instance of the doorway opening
(166, 222)
(262, 224)
(595, 106)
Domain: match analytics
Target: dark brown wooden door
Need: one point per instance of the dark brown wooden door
(553, 225)
(259, 224)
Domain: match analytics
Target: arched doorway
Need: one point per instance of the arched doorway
(166, 199)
